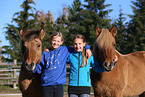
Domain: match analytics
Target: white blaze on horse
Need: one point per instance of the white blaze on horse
(126, 76)
(31, 47)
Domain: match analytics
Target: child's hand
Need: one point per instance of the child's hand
(47, 50)
(88, 53)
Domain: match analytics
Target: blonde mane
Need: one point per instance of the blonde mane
(105, 39)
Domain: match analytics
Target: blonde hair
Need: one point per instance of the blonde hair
(84, 58)
(58, 34)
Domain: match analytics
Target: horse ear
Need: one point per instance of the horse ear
(113, 30)
(41, 34)
(98, 31)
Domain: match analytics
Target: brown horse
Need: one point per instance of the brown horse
(31, 46)
(127, 78)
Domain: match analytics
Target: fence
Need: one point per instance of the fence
(9, 74)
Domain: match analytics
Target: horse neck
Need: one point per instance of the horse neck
(121, 58)
(118, 54)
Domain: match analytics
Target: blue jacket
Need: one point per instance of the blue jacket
(53, 66)
(97, 67)
(79, 76)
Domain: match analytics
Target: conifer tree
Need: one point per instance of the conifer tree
(49, 27)
(24, 20)
(84, 18)
(136, 27)
(122, 36)
(73, 19)
(62, 25)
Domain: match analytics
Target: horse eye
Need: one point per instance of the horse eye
(114, 44)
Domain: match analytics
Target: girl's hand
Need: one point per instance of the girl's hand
(88, 53)
(47, 50)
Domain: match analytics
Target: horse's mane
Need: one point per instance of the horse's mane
(105, 38)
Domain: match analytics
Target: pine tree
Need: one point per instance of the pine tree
(49, 27)
(62, 25)
(73, 19)
(136, 27)
(122, 36)
(24, 20)
(84, 18)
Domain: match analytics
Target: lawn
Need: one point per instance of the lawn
(6, 89)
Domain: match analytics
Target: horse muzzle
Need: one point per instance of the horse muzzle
(108, 66)
(30, 67)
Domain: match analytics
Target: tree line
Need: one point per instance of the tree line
(80, 18)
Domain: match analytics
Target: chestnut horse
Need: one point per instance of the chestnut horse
(126, 76)
(31, 46)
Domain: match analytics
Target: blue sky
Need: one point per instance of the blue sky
(9, 7)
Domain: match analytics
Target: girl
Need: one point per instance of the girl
(79, 83)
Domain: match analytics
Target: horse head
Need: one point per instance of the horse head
(104, 47)
(31, 47)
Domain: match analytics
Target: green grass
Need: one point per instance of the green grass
(4, 89)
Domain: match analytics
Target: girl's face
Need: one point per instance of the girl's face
(55, 42)
(78, 44)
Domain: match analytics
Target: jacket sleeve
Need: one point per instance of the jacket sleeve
(70, 49)
(97, 67)
(87, 47)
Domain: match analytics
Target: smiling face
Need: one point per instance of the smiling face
(56, 41)
(78, 44)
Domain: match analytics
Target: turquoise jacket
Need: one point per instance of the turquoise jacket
(79, 76)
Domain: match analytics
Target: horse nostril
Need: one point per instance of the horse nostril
(105, 64)
(26, 64)
(32, 64)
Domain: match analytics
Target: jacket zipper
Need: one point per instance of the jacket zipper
(78, 68)
(88, 74)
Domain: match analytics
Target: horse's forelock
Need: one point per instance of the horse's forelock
(30, 35)
(105, 39)
(103, 45)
